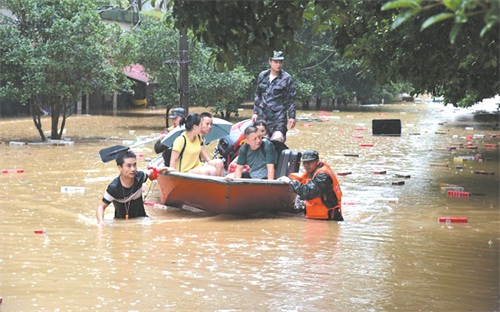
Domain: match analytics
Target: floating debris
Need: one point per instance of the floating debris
(386, 200)
(72, 189)
(344, 173)
(438, 164)
(452, 219)
(12, 171)
(455, 188)
(484, 172)
(402, 175)
(16, 143)
(458, 194)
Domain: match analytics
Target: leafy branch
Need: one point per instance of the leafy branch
(458, 10)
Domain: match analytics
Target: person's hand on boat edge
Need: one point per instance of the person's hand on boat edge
(154, 172)
(284, 179)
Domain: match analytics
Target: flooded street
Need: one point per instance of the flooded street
(390, 253)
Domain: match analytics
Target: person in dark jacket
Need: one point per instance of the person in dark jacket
(275, 98)
(318, 187)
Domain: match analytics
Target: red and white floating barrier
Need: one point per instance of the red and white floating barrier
(458, 194)
(12, 171)
(155, 205)
(453, 219)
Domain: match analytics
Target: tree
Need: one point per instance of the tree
(51, 52)
(158, 46)
(464, 71)
(224, 90)
(249, 29)
(459, 11)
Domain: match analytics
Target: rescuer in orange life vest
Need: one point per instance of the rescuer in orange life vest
(318, 187)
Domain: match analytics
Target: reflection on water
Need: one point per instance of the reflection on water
(389, 254)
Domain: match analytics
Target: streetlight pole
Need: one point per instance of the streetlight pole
(183, 69)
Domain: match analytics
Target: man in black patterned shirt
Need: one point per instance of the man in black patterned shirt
(125, 191)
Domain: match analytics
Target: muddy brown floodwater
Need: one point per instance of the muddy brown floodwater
(390, 253)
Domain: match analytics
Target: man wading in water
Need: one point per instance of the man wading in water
(125, 191)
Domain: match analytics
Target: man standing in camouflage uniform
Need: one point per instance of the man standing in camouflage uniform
(275, 98)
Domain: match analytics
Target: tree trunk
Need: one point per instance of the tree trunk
(55, 112)
(36, 113)
(64, 116)
(305, 105)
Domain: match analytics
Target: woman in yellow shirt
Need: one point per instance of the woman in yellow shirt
(187, 148)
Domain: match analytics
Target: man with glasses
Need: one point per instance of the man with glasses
(275, 98)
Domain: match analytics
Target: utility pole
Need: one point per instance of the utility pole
(183, 69)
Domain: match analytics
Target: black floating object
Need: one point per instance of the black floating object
(388, 127)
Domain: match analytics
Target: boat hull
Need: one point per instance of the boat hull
(219, 195)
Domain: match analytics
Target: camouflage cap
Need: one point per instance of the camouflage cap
(278, 56)
(310, 155)
(176, 112)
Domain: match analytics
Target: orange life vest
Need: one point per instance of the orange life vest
(315, 208)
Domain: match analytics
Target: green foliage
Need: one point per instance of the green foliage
(54, 51)
(250, 28)
(157, 50)
(446, 47)
(459, 10)
(427, 59)
(225, 91)
(157, 45)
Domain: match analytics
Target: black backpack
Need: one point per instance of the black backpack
(165, 150)
(279, 147)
